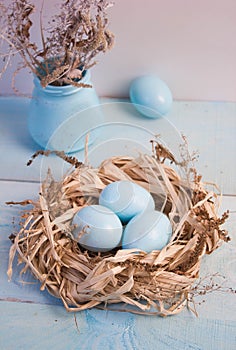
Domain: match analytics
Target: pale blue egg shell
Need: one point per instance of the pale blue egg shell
(126, 199)
(147, 231)
(151, 96)
(103, 228)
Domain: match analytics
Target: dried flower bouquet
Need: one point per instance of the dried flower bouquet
(69, 43)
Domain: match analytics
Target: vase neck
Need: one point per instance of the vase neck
(62, 90)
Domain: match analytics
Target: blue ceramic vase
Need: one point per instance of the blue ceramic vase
(60, 116)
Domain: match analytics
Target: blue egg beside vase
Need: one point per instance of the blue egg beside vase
(60, 116)
(151, 96)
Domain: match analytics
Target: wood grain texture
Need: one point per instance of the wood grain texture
(210, 129)
(30, 319)
(31, 326)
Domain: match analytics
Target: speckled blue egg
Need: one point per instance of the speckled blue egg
(126, 199)
(150, 96)
(147, 231)
(102, 229)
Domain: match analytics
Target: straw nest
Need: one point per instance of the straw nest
(159, 282)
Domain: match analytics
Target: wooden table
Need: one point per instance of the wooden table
(30, 319)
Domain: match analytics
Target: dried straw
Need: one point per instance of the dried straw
(158, 282)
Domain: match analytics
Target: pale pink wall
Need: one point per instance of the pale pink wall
(189, 43)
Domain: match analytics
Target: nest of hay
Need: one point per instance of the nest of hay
(158, 282)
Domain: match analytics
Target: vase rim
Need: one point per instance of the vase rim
(64, 89)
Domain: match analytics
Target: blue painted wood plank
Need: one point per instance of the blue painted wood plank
(186, 333)
(29, 326)
(210, 129)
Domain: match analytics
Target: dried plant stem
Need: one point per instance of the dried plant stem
(69, 43)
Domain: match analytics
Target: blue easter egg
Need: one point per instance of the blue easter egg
(126, 199)
(147, 231)
(97, 228)
(150, 96)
